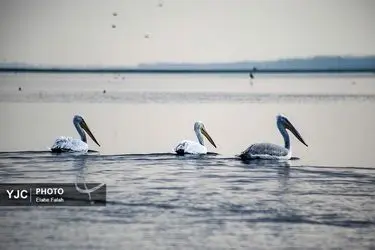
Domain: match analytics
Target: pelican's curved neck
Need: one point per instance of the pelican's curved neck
(80, 131)
(200, 137)
(285, 134)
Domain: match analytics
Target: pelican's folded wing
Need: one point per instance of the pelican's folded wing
(68, 144)
(264, 150)
(190, 147)
(62, 144)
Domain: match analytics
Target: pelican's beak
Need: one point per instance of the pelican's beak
(291, 128)
(86, 128)
(204, 132)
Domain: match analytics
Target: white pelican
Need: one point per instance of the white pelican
(271, 151)
(68, 144)
(192, 147)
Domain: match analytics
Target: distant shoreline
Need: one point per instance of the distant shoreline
(185, 71)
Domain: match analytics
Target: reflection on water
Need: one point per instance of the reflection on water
(80, 166)
(270, 162)
(149, 88)
(180, 97)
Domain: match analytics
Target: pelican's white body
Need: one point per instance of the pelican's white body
(191, 147)
(69, 144)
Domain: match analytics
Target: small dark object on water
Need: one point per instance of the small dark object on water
(180, 152)
(113, 26)
(251, 76)
(115, 14)
(19, 89)
(104, 91)
(147, 36)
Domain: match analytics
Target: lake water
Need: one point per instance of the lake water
(157, 200)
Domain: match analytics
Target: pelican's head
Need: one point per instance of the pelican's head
(200, 129)
(285, 123)
(79, 121)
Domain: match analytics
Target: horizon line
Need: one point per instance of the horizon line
(186, 71)
(142, 64)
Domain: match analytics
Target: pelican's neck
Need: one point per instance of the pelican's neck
(285, 134)
(200, 137)
(80, 131)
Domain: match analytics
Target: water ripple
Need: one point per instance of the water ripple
(171, 197)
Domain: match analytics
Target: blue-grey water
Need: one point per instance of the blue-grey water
(157, 200)
(212, 202)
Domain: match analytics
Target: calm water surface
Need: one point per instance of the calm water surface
(157, 200)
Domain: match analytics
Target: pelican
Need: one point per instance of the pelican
(192, 147)
(68, 144)
(272, 151)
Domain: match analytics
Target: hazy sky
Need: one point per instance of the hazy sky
(80, 32)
